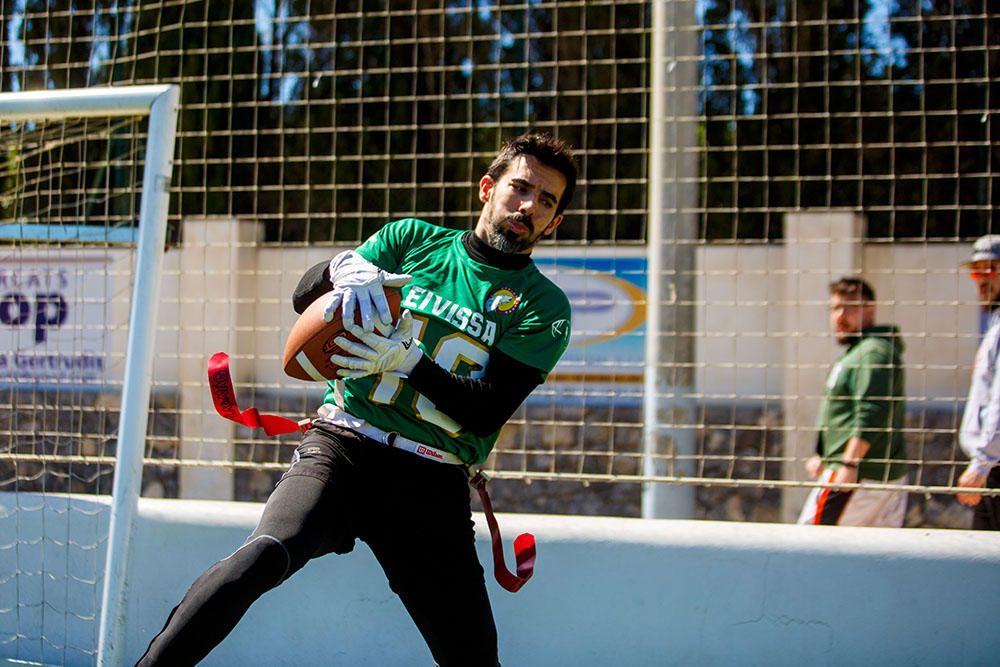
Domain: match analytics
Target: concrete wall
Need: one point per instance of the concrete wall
(606, 592)
(745, 293)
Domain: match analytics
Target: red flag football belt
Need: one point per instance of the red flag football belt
(224, 397)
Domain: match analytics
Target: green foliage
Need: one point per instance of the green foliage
(324, 119)
(877, 107)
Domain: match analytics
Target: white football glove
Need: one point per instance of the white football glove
(397, 353)
(357, 285)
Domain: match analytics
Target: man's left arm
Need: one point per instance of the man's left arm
(480, 405)
(985, 451)
(483, 404)
(518, 363)
(856, 449)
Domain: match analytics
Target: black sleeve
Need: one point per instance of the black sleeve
(314, 284)
(480, 405)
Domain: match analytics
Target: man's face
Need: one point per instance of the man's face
(986, 275)
(520, 207)
(848, 316)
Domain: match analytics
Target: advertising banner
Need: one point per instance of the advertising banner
(608, 295)
(54, 316)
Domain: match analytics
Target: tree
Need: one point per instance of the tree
(876, 106)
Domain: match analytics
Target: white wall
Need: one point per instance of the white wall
(606, 592)
(741, 300)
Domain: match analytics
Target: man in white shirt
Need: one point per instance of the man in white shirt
(979, 435)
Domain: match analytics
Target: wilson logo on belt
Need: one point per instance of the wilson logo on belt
(426, 451)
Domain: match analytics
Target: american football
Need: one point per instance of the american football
(311, 341)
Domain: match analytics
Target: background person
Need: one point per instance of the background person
(483, 329)
(861, 418)
(978, 434)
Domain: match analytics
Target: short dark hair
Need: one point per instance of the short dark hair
(852, 287)
(546, 149)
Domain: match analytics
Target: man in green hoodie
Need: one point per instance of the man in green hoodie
(860, 438)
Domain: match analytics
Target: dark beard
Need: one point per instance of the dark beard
(849, 339)
(505, 241)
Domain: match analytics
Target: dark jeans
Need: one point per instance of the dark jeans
(987, 512)
(415, 516)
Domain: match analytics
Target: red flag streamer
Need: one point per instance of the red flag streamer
(524, 544)
(221, 384)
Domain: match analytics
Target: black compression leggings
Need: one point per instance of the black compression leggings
(413, 514)
(282, 543)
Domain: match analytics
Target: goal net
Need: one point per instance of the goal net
(83, 187)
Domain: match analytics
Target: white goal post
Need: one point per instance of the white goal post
(160, 103)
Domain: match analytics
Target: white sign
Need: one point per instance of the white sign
(54, 316)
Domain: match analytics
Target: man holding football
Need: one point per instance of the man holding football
(387, 460)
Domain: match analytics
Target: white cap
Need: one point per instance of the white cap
(985, 248)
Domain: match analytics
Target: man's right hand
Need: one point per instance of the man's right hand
(814, 466)
(358, 286)
(971, 479)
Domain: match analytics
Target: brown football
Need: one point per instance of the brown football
(311, 341)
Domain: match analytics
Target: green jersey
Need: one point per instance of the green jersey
(462, 310)
(865, 397)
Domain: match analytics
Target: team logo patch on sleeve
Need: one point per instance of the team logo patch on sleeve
(502, 300)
